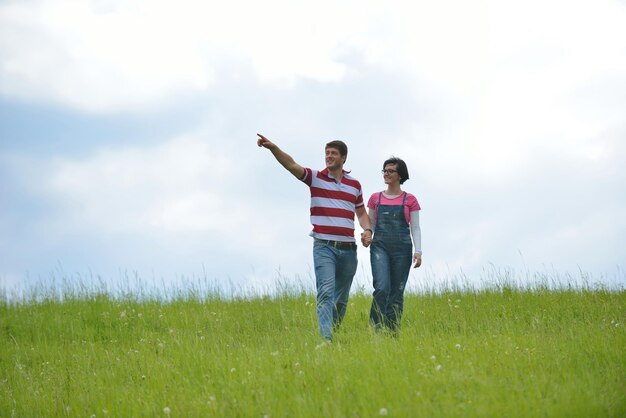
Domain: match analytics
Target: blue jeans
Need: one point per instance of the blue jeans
(391, 259)
(334, 271)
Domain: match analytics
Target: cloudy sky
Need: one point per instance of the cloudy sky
(128, 135)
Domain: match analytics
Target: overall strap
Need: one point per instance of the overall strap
(378, 205)
(403, 199)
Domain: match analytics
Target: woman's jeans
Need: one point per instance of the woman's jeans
(391, 259)
(334, 271)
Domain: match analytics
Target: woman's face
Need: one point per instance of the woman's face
(390, 174)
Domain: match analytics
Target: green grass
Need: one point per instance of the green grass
(502, 352)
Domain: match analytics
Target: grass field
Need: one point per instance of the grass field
(502, 352)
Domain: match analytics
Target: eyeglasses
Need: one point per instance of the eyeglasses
(388, 171)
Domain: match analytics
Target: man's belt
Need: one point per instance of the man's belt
(338, 244)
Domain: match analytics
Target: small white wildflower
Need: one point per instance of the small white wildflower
(275, 353)
(139, 315)
(382, 411)
(433, 357)
(458, 346)
(166, 410)
(211, 398)
(439, 367)
(123, 314)
(297, 365)
(301, 373)
(233, 370)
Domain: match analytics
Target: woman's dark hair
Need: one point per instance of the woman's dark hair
(403, 172)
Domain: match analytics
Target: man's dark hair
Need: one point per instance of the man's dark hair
(403, 171)
(339, 146)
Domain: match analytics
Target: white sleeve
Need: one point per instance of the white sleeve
(416, 232)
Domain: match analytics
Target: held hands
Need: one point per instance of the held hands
(366, 238)
(417, 260)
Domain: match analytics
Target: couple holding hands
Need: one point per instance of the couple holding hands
(390, 226)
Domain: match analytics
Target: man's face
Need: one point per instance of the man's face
(334, 160)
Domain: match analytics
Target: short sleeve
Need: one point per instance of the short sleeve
(371, 203)
(308, 177)
(412, 203)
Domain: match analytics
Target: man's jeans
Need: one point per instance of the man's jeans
(334, 271)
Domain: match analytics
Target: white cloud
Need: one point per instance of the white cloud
(70, 52)
(116, 55)
(122, 55)
(525, 86)
(172, 187)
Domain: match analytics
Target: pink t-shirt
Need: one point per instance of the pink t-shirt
(410, 203)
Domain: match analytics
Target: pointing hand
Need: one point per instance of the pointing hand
(264, 142)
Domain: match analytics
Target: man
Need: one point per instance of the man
(335, 198)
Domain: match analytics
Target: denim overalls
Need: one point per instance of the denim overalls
(391, 256)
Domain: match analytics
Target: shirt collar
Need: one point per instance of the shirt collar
(327, 173)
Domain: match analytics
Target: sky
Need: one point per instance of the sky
(128, 137)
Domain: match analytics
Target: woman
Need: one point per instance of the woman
(394, 215)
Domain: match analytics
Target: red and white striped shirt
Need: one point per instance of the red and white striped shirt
(333, 204)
